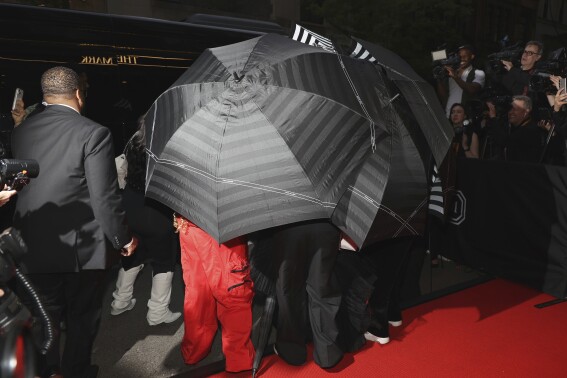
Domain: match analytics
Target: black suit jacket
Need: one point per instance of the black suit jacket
(65, 213)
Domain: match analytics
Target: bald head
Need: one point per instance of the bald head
(60, 82)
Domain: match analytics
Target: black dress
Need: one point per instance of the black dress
(149, 220)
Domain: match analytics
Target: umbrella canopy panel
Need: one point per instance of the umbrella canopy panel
(388, 196)
(260, 134)
(420, 96)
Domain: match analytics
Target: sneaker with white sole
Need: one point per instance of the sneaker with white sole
(395, 323)
(380, 340)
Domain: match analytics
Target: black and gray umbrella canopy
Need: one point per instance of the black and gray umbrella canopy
(421, 98)
(389, 195)
(261, 133)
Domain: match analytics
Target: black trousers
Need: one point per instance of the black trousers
(76, 298)
(388, 259)
(308, 292)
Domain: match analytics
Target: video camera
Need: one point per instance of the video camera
(512, 54)
(477, 108)
(556, 64)
(16, 173)
(17, 348)
(440, 60)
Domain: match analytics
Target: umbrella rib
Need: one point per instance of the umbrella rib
(412, 215)
(414, 82)
(240, 182)
(360, 102)
(382, 207)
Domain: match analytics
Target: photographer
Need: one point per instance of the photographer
(520, 137)
(462, 84)
(517, 79)
(555, 146)
(466, 138)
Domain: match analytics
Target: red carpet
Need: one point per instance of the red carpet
(490, 330)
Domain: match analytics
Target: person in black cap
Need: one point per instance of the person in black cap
(462, 84)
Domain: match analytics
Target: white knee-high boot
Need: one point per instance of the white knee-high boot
(158, 305)
(123, 300)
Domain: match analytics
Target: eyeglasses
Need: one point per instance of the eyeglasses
(530, 53)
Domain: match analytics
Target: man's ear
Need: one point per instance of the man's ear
(79, 98)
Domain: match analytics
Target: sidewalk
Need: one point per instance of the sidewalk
(127, 346)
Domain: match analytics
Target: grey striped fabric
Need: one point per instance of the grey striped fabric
(388, 196)
(255, 135)
(420, 96)
(304, 35)
(436, 201)
(359, 52)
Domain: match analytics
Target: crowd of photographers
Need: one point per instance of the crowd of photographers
(513, 110)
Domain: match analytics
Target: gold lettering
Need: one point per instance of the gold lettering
(127, 59)
(101, 60)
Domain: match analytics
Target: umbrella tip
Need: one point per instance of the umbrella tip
(254, 370)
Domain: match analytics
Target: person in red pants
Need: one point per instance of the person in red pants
(217, 288)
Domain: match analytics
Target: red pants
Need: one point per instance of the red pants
(217, 286)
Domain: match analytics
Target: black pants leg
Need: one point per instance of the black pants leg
(84, 307)
(387, 259)
(324, 297)
(306, 284)
(79, 295)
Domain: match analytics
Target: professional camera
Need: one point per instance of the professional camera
(17, 349)
(16, 173)
(466, 128)
(512, 54)
(556, 64)
(498, 96)
(440, 60)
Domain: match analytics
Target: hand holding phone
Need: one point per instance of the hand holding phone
(563, 84)
(18, 95)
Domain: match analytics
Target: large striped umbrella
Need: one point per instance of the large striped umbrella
(261, 133)
(388, 197)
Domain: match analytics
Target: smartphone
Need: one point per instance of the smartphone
(18, 95)
(563, 84)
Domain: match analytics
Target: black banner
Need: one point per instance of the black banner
(510, 219)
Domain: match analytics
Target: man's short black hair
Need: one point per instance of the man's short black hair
(59, 81)
(467, 47)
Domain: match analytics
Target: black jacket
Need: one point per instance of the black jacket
(67, 211)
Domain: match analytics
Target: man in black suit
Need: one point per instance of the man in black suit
(67, 217)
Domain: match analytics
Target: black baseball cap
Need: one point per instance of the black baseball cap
(466, 47)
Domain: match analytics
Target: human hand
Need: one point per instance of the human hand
(555, 80)
(545, 124)
(491, 109)
(130, 247)
(559, 100)
(507, 64)
(5, 196)
(19, 112)
(450, 71)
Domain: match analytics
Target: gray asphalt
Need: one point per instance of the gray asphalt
(126, 346)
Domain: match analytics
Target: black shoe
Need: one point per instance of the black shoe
(292, 354)
(91, 371)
